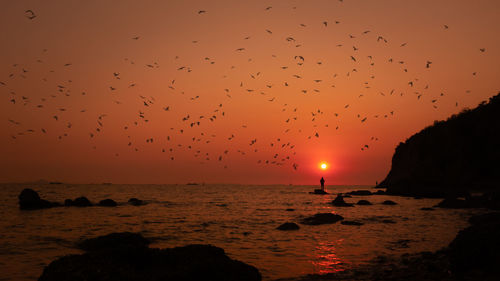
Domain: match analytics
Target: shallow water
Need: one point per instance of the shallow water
(240, 219)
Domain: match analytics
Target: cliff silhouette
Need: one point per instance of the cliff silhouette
(450, 158)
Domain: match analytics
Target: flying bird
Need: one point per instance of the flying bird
(29, 14)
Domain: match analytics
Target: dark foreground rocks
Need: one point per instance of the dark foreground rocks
(126, 257)
(288, 226)
(322, 218)
(473, 255)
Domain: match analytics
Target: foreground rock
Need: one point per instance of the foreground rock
(30, 200)
(322, 218)
(476, 250)
(339, 202)
(126, 257)
(288, 226)
(451, 157)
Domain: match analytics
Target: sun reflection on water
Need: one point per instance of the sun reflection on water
(326, 259)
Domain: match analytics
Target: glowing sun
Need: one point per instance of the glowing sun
(323, 166)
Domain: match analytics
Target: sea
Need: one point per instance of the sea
(241, 219)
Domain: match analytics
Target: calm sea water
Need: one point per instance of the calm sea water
(238, 218)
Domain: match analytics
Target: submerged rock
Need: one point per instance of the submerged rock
(30, 200)
(351, 223)
(453, 203)
(319, 192)
(136, 202)
(360, 192)
(107, 203)
(322, 218)
(364, 202)
(288, 226)
(81, 202)
(389, 202)
(123, 262)
(339, 202)
(114, 241)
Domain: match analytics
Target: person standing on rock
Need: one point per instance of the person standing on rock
(322, 181)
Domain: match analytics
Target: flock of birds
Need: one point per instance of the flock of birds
(280, 151)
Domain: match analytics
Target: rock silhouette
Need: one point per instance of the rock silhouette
(339, 202)
(364, 202)
(322, 218)
(136, 202)
(107, 203)
(351, 223)
(126, 257)
(389, 202)
(30, 200)
(450, 157)
(288, 226)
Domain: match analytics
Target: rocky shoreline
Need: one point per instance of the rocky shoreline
(126, 257)
(474, 254)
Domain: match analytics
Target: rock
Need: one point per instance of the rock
(364, 202)
(351, 223)
(388, 221)
(379, 192)
(107, 203)
(322, 218)
(319, 192)
(82, 202)
(485, 218)
(453, 203)
(427, 209)
(140, 263)
(68, 202)
(476, 249)
(288, 226)
(136, 202)
(339, 202)
(360, 192)
(290, 210)
(30, 200)
(114, 241)
(389, 202)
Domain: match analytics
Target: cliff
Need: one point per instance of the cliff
(451, 157)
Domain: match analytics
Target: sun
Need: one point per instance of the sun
(323, 166)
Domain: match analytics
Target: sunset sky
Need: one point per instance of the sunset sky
(249, 92)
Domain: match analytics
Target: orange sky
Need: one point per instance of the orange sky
(245, 90)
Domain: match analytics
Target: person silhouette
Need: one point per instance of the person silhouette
(322, 181)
